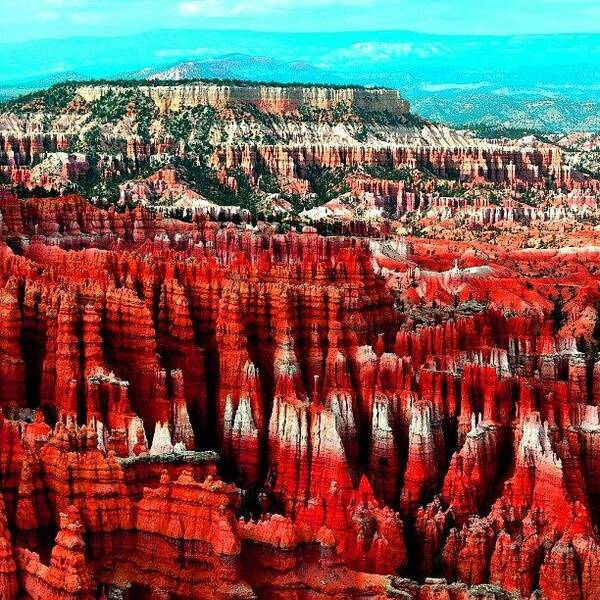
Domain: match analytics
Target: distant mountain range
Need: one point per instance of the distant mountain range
(549, 82)
(243, 66)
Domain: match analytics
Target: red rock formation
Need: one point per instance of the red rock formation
(425, 454)
(12, 366)
(175, 519)
(68, 575)
(365, 441)
(8, 569)
(473, 471)
(501, 165)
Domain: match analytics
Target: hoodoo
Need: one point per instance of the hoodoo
(294, 342)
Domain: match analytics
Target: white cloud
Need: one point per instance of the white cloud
(48, 15)
(78, 17)
(85, 18)
(177, 52)
(63, 3)
(385, 51)
(204, 8)
(80, 12)
(237, 8)
(444, 87)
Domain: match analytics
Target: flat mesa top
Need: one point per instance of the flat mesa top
(186, 456)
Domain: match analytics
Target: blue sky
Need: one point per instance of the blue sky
(31, 19)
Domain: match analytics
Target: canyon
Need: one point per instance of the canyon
(310, 347)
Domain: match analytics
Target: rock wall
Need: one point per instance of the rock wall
(268, 98)
(471, 163)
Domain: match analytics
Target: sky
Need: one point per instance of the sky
(39, 19)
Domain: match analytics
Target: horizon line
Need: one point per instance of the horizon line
(96, 35)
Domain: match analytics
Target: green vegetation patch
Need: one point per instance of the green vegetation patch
(193, 127)
(203, 179)
(53, 100)
(114, 105)
(326, 182)
(387, 171)
(133, 83)
(497, 130)
(186, 456)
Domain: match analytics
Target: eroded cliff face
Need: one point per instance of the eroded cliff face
(429, 149)
(229, 113)
(268, 98)
(371, 451)
(284, 130)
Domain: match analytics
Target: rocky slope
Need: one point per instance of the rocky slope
(141, 121)
(310, 153)
(391, 424)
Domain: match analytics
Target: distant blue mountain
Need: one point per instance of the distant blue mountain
(446, 77)
(243, 66)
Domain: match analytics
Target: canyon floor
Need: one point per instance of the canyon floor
(293, 342)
